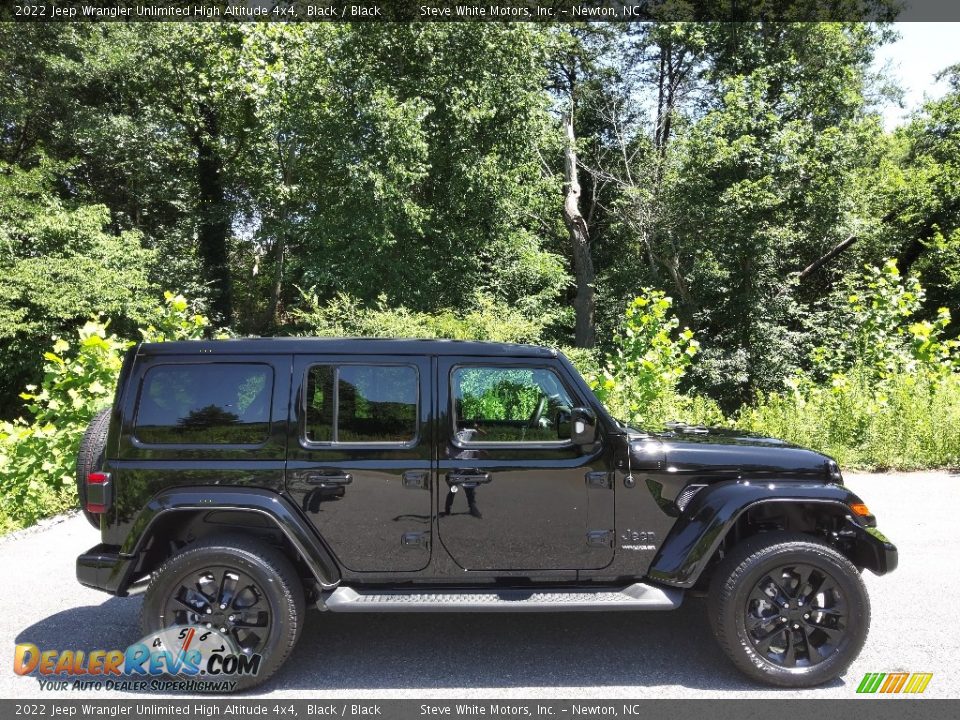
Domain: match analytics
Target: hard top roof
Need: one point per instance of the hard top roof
(344, 346)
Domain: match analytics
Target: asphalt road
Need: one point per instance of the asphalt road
(591, 655)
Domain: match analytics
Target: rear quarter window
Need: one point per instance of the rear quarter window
(368, 404)
(205, 404)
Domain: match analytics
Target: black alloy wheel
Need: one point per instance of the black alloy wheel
(226, 599)
(788, 609)
(796, 616)
(246, 589)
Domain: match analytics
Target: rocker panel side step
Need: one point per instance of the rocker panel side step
(633, 597)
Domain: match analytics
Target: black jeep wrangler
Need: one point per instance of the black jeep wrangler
(236, 481)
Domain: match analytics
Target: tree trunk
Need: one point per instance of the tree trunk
(585, 302)
(278, 279)
(214, 216)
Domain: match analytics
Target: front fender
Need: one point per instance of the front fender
(700, 529)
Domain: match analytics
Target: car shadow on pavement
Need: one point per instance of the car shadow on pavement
(452, 650)
(113, 624)
(529, 650)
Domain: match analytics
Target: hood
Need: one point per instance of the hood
(722, 453)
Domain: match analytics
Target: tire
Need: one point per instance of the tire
(792, 645)
(90, 457)
(281, 592)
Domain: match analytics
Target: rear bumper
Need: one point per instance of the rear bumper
(875, 551)
(103, 568)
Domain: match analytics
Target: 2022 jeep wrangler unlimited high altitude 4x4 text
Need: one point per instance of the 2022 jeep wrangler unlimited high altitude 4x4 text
(235, 481)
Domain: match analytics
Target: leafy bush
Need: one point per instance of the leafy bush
(38, 454)
(884, 394)
(638, 380)
(874, 332)
(54, 255)
(908, 422)
(483, 319)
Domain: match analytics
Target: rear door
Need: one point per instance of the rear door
(360, 464)
(514, 493)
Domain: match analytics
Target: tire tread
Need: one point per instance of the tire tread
(92, 446)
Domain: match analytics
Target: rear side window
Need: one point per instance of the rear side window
(205, 404)
(370, 404)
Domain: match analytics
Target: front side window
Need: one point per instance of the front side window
(361, 404)
(506, 404)
(205, 404)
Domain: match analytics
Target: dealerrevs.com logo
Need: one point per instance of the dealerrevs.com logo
(894, 683)
(192, 659)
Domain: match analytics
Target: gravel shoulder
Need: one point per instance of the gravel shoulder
(589, 655)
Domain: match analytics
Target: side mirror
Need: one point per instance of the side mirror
(583, 430)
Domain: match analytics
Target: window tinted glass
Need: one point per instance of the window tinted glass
(208, 404)
(374, 404)
(320, 404)
(499, 404)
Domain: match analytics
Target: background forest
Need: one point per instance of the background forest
(710, 217)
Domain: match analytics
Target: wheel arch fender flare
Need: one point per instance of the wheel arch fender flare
(266, 504)
(714, 511)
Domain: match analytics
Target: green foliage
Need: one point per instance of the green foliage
(175, 320)
(38, 454)
(59, 265)
(885, 393)
(585, 360)
(504, 400)
(879, 335)
(639, 378)
(38, 457)
(909, 422)
(484, 319)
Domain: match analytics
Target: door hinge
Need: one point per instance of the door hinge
(416, 479)
(415, 540)
(603, 480)
(600, 538)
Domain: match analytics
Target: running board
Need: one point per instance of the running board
(633, 597)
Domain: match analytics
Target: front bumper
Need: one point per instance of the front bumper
(102, 567)
(874, 551)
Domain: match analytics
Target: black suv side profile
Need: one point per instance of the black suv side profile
(236, 482)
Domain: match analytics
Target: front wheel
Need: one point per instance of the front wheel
(789, 610)
(246, 590)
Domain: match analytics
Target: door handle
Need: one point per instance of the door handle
(328, 480)
(468, 479)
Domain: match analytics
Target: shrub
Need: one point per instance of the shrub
(876, 333)
(484, 319)
(886, 394)
(908, 422)
(38, 456)
(637, 380)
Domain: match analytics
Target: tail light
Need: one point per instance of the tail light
(99, 492)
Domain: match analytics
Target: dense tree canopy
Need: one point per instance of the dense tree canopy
(448, 169)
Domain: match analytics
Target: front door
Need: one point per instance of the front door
(513, 492)
(360, 466)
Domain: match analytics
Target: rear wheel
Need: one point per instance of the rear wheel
(244, 589)
(789, 610)
(90, 459)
